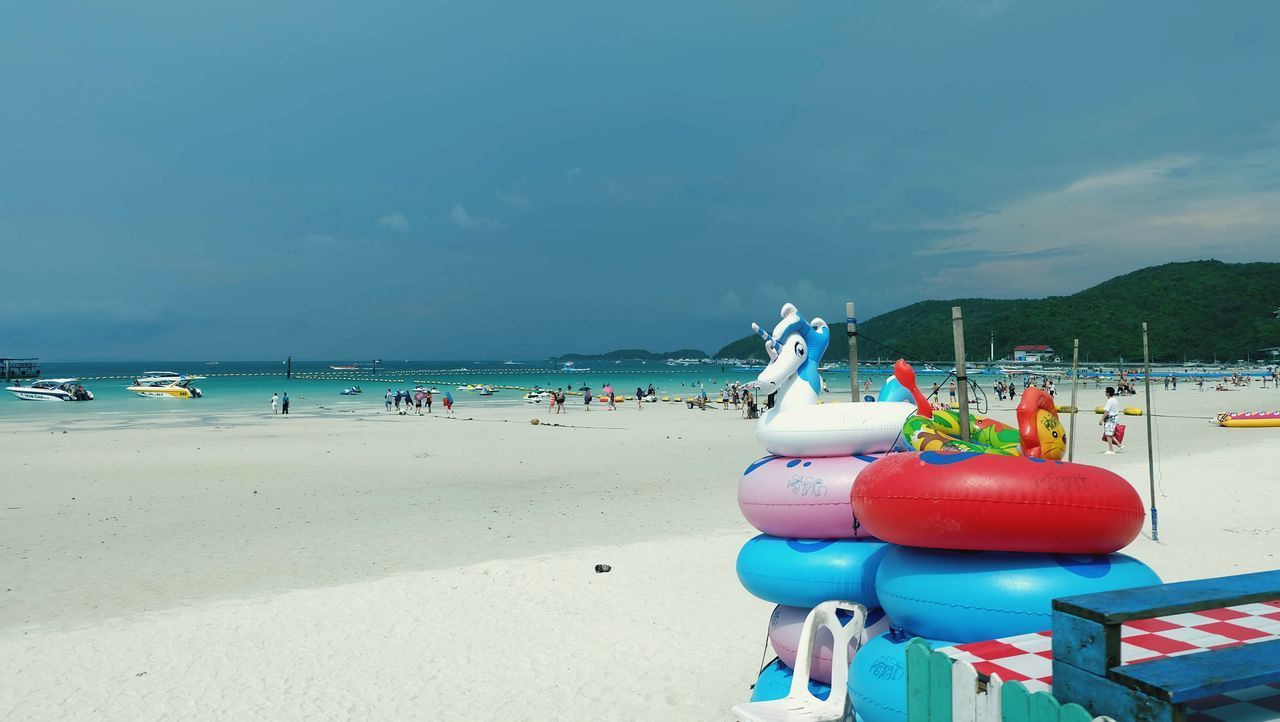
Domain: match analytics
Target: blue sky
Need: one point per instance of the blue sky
(246, 180)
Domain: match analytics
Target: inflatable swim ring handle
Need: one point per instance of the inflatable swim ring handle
(906, 376)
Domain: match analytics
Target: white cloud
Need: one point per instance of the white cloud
(1167, 205)
(395, 221)
(464, 220)
(1178, 207)
(515, 200)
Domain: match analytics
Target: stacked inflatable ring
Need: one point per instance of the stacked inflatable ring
(811, 548)
(981, 542)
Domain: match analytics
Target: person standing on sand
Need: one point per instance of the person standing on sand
(640, 398)
(586, 398)
(448, 402)
(951, 392)
(427, 400)
(284, 404)
(275, 399)
(1110, 415)
(612, 397)
(387, 398)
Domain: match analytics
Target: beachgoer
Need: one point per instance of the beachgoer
(428, 401)
(387, 398)
(951, 392)
(448, 402)
(640, 398)
(613, 406)
(284, 404)
(560, 401)
(275, 399)
(586, 398)
(1110, 416)
(417, 398)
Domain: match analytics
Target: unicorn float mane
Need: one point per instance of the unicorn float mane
(795, 351)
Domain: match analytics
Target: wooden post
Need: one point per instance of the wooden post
(962, 374)
(1075, 379)
(1151, 453)
(288, 369)
(851, 325)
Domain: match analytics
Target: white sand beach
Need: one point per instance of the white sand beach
(375, 566)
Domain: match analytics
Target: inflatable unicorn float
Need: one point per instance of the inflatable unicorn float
(797, 425)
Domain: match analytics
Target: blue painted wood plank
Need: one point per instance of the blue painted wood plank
(1084, 643)
(1156, 601)
(1102, 696)
(1192, 676)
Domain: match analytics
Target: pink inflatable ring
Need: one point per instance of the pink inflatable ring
(807, 498)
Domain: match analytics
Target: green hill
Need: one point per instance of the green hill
(632, 354)
(1197, 310)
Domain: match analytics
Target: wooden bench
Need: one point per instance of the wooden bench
(1086, 649)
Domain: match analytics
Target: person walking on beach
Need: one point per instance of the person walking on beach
(387, 398)
(1110, 415)
(448, 402)
(284, 404)
(586, 398)
(427, 400)
(640, 398)
(559, 399)
(275, 399)
(608, 390)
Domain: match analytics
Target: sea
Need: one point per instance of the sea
(246, 386)
(314, 387)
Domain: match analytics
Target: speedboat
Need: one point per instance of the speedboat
(351, 391)
(536, 397)
(52, 390)
(486, 391)
(345, 368)
(171, 384)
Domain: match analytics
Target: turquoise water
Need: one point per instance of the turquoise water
(247, 386)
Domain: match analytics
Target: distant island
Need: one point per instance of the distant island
(631, 354)
(1196, 311)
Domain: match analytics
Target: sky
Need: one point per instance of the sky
(483, 180)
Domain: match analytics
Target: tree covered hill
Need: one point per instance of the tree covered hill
(632, 354)
(1198, 310)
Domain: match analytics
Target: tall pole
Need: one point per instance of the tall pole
(992, 358)
(288, 369)
(1151, 453)
(851, 325)
(962, 374)
(1075, 378)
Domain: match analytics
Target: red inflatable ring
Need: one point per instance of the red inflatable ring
(966, 500)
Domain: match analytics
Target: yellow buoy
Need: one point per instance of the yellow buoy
(1099, 410)
(1067, 409)
(1133, 411)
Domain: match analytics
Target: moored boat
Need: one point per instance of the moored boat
(161, 384)
(52, 390)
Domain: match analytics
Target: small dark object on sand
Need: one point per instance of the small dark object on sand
(602, 568)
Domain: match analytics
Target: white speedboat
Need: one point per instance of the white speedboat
(162, 384)
(536, 397)
(52, 390)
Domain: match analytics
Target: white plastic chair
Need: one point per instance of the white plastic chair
(800, 705)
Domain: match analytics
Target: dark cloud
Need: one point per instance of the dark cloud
(468, 179)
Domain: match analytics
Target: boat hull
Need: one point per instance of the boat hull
(36, 395)
(174, 393)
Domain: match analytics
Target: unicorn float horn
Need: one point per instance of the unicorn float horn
(906, 376)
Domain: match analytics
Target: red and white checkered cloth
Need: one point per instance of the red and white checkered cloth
(1028, 658)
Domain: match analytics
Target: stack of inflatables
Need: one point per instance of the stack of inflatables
(955, 541)
(811, 549)
(982, 537)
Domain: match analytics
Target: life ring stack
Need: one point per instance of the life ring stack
(979, 543)
(811, 548)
